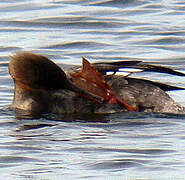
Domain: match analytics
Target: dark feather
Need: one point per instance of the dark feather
(104, 67)
(164, 87)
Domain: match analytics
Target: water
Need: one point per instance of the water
(118, 146)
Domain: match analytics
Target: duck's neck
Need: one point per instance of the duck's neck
(32, 100)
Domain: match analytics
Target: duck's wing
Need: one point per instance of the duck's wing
(118, 66)
(164, 87)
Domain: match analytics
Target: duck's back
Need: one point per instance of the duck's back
(143, 94)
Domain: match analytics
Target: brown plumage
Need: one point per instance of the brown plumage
(41, 87)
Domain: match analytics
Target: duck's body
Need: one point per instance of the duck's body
(42, 87)
(136, 92)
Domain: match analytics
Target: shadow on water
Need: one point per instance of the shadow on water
(97, 117)
(27, 121)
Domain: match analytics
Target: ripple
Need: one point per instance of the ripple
(165, 40)
(118, 3)
(50, 25)
(119, 164)
(76, 45)
(17, 159)
(156, 152)
(4, 49)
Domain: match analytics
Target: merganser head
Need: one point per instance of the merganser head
(35, 78)
(37, 72)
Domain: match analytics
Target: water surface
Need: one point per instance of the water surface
(118, 146)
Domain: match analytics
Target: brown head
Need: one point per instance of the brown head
(37, 72)
(35, 77)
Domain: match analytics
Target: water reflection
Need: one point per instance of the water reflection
(117, 146)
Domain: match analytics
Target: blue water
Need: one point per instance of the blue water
(120, 146)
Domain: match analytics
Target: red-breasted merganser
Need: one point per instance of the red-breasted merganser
(43, 87)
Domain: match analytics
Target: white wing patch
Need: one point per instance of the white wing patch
(124, 71)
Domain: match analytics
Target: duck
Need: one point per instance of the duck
(41, 86)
